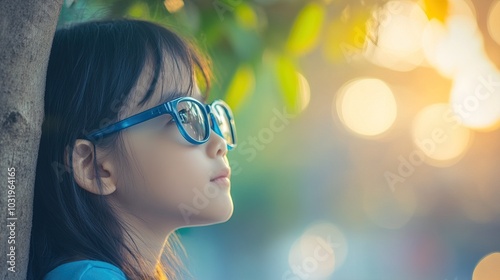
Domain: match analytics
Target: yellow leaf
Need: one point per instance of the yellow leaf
(345, 39)
(241, 86)
(306, 29)
(289, 83)
(138, 10)
(246, 16)
(437, 9)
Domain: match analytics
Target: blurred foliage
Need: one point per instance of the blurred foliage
(238, 34)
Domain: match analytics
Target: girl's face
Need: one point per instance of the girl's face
(168, 180)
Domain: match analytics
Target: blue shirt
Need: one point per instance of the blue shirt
(86, 270)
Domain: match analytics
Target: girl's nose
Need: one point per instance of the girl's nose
(216, 145)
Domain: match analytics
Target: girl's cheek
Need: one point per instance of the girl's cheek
(170, 167)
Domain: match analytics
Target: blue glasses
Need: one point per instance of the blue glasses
(193, 119)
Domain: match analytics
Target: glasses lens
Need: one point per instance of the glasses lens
(192, 119)
(224, 121)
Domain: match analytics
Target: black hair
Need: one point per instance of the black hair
(92, 70)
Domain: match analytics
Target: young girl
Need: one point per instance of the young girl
(129, 153)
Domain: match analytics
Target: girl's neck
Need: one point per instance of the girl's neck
(148, 243)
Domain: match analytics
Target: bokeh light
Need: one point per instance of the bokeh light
(456, 50)
(475, 97)
(399, 36)
(432, 36)
(173, 5)
(488, 268)
(494, 21)
(304, 92)
(437, 132)
(366, 106)
(455, 45)
(318, 251)
(460, 48)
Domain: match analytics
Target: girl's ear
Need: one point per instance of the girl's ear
(84, 171)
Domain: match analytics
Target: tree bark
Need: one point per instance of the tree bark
(26, 32)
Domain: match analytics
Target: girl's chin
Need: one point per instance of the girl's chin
(211, 215)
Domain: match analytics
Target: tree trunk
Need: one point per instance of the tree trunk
(26, 32)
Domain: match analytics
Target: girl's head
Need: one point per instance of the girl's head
(96, 197)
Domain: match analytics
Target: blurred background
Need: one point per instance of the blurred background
(368, 132)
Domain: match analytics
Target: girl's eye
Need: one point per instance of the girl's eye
(170, 121)
(183, 116)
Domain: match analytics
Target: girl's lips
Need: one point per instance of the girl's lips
(222, 181)
(224, 173)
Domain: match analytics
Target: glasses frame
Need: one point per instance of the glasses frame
(169, 107)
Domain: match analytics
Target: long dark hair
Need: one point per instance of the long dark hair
(93, 68)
